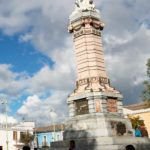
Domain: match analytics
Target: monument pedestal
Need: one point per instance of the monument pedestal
(95, 126)
(103, 130)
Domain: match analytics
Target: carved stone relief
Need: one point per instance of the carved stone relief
(97, 106)
(118, 128)
(100, 80)
(81, 107)
(112, 105)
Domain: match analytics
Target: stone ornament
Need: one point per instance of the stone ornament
(97, 106)
(84, 5)
(121, 128)
(118, 128)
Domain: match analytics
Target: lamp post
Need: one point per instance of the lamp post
(6, 121)
(51, 110)
(36, 145)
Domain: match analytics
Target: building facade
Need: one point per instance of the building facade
(140, 110)
(11, 136)
(46, 135)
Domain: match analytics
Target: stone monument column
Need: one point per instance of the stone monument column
(96, 121)
(92, 83)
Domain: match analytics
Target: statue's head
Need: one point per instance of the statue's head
(91, 1)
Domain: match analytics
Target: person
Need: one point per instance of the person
(130, 147)
(72, 145)
(137, 132)
(26, 147)
(144, 132)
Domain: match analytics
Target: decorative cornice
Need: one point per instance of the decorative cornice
(86, 32)
(82, 23)
(100, 80)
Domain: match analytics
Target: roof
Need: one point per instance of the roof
(137, 106)
(57, 127)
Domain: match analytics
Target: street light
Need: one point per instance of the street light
(52, 110)
(36, 145)
(4, 101)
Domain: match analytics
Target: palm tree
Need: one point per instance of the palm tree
(136, 121)
(26, 137)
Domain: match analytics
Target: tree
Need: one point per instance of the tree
(136, 121)
(146, 91)
(26, 137)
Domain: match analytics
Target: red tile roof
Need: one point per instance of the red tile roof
(136, 106)
(57, 127)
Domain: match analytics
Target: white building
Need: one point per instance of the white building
(13, 135)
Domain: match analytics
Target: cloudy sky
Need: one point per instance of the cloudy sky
(37, 67)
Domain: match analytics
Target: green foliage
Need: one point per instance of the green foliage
(146, 91)
(148, 68)
(136, 121)
(26, 137)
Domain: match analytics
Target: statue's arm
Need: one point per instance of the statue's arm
(77, 3)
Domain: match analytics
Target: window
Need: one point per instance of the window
(15, 135)
(22, 135)
(58, 137)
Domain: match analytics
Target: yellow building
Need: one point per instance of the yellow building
(140, 110)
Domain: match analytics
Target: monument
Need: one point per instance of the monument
(96, 120)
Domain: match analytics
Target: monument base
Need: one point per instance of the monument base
(100, 132)
(105, 143)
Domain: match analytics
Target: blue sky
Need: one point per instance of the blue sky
(37, 65)
(23, 56)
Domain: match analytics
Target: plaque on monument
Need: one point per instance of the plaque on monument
(81, 107)
(112, 105)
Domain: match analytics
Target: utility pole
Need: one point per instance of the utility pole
(53, 123)
(4, 101)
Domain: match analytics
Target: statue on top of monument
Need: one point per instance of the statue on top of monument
(84, 5)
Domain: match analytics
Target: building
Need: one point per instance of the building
(46, 135)
(13, 135)
(140, 110)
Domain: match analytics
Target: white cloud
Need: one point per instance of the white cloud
(52, 83)
(29, 104)
(60, 76)
(10, 119)
(44, 111)
(11, 83)
(5, 73)
(126, 64)
(26, 38)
